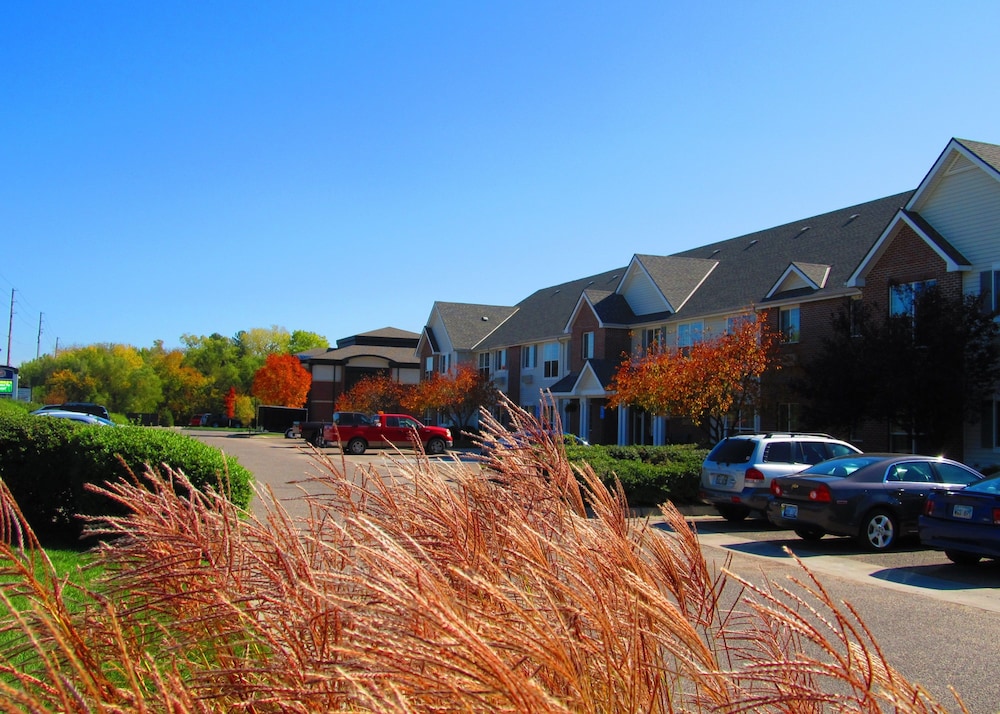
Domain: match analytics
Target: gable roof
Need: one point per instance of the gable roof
(544, 314)
(752, 266)
(676, 277)
(467, 324)
(389, 343)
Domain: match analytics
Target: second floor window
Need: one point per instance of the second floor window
(428, 367)
(903, 298)
(484, 365)
(445, 363)
(588, 345)
(551, 357)
(529, 357)
(500, 360)
(789, 324)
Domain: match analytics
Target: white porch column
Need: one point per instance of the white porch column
(584, 418)
(622, 425)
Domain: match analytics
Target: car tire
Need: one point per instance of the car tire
(435, 446)
(356, 446)
(317, 439)
(960, 557)
(733, 514)
(810, 534)
(289, 434)
(879, 530)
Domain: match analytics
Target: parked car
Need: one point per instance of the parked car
(81, 417)
(81, 407)
(736, 475)
(876, 498)
(294, 431)
(964, 523)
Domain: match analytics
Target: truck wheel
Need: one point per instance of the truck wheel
(356, 446)
(435, 446)
(289, 434)
(317, 439)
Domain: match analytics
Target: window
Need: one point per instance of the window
(903, 297)
(653, 336)
(484, 365)
(689, 333)
(550, 356)
(428, 367)
(445, 364)
(500, 360)
(788, 417)
(789, 317)
(588, 345)
(989, 288)
(529, 357)
(735, 324)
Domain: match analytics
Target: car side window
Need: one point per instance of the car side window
(911, 471)
(392, 421)
(949, 473)
(839, 450)
(813, 452)
(778, 452)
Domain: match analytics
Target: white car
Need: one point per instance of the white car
(75, 416)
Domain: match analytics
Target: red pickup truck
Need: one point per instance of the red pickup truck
(357, 432)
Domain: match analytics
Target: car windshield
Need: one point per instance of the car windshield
(987, 485)
(732, 451)
(843, 466)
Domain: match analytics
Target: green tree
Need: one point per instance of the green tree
(223, 362)
(302, 340)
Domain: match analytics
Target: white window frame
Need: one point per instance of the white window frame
(484, 364)
(500, 360)
(587, 345)
(690, 334)
(550, 359)
(790, 334)
(529, 356)
(903, 297)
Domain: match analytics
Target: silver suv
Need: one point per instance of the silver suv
(736, 475)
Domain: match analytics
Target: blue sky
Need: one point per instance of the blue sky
(191, 168)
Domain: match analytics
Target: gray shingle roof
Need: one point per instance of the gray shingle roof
(467, 324)
(544, 314)
(990, 153)
(676, 277)
(750, 265)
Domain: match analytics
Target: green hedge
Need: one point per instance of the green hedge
(46, 461)
(650, 475)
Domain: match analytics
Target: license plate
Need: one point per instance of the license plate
(721, 479)
(789, 510)
(961, 512)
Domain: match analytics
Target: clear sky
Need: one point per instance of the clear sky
(171, 168)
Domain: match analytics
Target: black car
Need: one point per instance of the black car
(875, 498)
(964, 523)
(81, 407)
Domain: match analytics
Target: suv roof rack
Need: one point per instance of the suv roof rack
(771, 434)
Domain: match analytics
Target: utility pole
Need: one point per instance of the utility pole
(10, 327)
(38, 347)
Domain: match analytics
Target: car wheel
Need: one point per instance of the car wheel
(317, 439)
(733, 514)
(289, 434)
(879, 530)
(809, 533)
(435, 446)
(959, 557)
(356, 446)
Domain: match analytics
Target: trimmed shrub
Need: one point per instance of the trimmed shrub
(650, 475)
(48, 462)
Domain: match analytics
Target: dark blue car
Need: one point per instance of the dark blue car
(964, 523)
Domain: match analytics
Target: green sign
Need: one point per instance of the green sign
(6, 386)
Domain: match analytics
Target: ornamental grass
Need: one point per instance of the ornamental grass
(424, 587)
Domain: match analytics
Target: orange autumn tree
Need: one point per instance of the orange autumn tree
(371, 394)
(459, 394)
(282, 381)
(704, 382)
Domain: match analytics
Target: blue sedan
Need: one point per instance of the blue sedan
(964, 523)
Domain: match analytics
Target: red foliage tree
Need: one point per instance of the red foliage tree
(704, 382)
(374, 393)
(230, 402)
(459, 394)
(282, 381)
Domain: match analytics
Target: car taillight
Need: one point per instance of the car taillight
(820, 494)
(753, 475)
(929, 508)
(996, 516)
(775, 488)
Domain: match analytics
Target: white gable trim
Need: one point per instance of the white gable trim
(636, 274)
(857, 278)
(941, 168)
(584, 300)
(795, 274)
